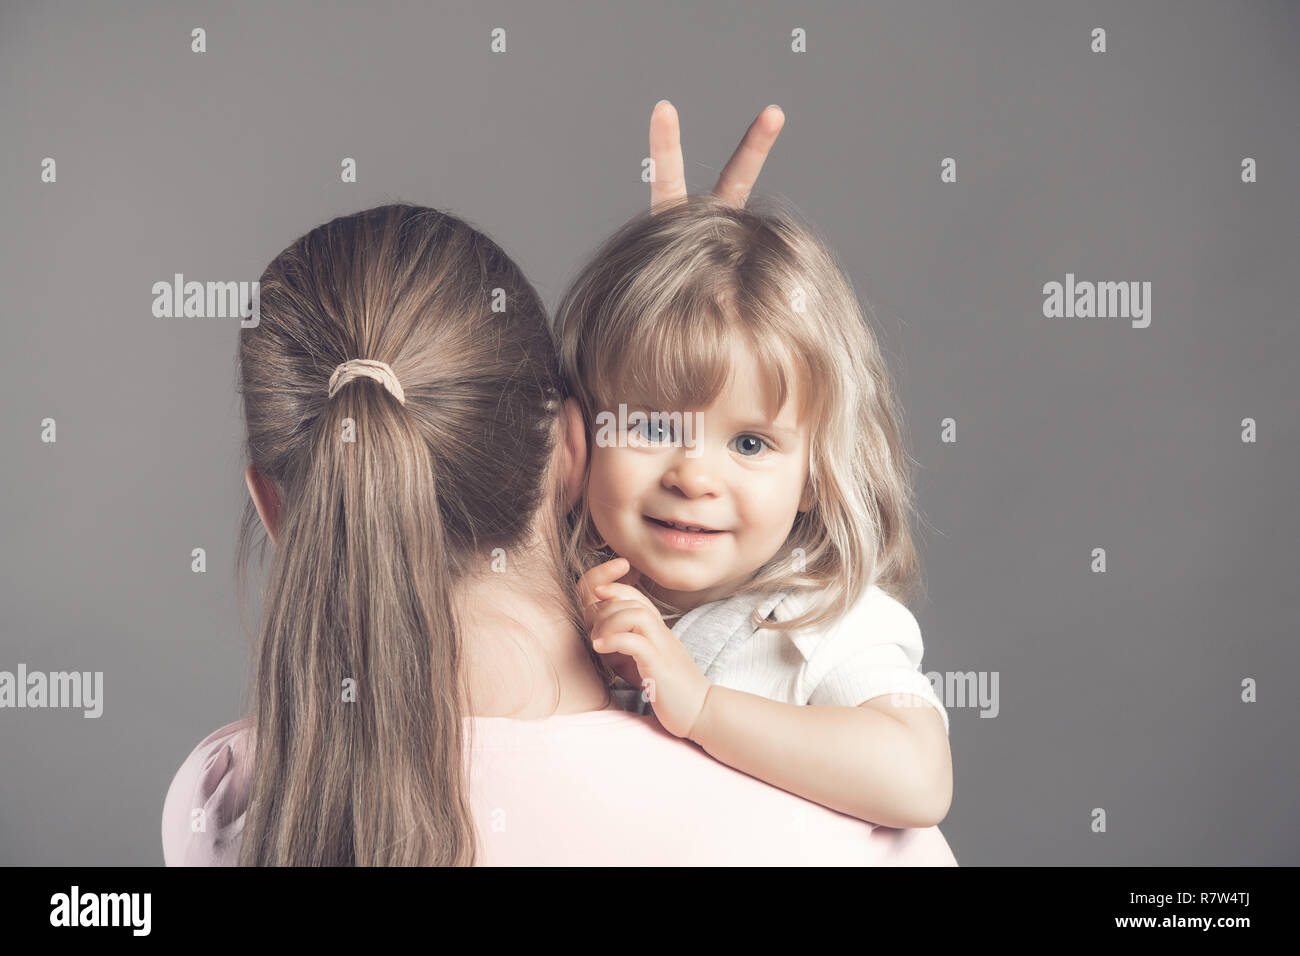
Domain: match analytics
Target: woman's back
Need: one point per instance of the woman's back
(411, 445)
(600, 788)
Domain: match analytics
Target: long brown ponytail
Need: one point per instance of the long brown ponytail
(358, 694)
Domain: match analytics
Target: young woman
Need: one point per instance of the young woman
(425, 693)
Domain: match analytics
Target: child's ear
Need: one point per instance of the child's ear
(266, 499)
(806, 499)
(573, 451)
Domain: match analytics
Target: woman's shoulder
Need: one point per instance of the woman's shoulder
(203, 812)
(612, 788)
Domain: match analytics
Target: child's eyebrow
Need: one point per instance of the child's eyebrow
(739, 424)
(761, 425)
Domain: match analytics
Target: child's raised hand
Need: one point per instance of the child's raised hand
(623, 665)
(603, 575)
(630, 626)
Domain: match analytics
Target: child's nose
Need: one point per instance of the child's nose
(692, 476)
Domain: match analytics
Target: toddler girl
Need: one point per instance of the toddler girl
(747, 484)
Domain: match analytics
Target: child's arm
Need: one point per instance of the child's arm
(883, 761)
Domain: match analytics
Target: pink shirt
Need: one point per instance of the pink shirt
(600, 788)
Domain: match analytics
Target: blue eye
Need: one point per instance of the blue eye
(655, 432)
(750, 445)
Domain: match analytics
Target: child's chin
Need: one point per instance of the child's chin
(681, 585)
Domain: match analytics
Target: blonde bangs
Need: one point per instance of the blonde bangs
(683, 358)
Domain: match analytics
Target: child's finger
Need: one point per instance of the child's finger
(634, 645)
(608, 592)
(612, 569)
(593, 577)
(615, 616)
(606, 573)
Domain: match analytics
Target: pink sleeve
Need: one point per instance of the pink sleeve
(203, 814)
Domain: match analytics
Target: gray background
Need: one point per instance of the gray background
(1118, 690)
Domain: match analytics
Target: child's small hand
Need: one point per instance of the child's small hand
(625, 622)
(604, 575)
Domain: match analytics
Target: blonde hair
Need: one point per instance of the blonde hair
(657, 313)
(376, 534)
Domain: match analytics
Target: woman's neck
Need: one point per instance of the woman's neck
(523, 657)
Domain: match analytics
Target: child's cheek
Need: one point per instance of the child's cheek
(605, 493)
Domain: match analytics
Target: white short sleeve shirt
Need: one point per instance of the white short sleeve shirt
(873, 650)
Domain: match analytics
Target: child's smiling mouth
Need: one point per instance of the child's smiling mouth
(682, 535)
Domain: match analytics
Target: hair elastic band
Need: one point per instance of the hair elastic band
(368, 368)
